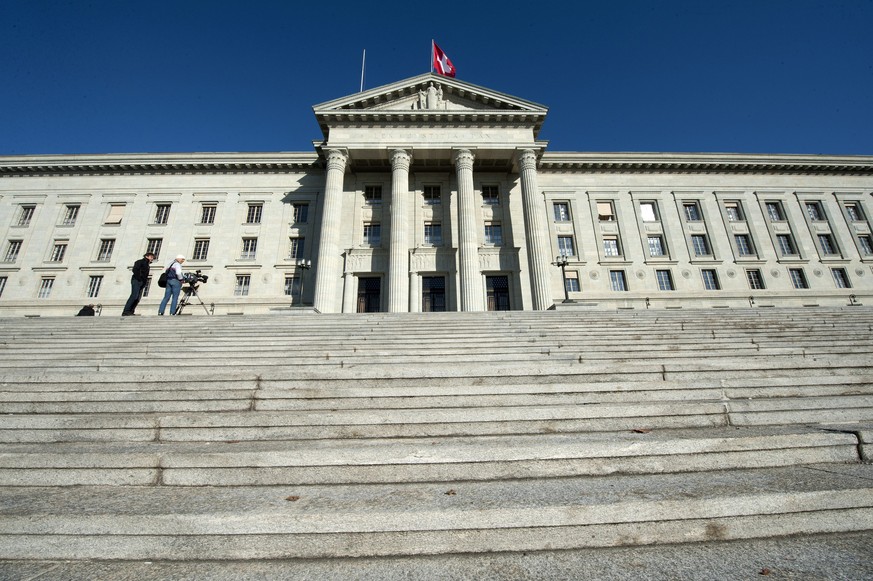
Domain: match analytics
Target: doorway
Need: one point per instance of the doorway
(369, 294)
(497, 288)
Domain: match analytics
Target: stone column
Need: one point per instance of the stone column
(398, 256)
(536, 220)
(329, 265)
(471, 290)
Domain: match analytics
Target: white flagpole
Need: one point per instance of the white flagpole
(431, 55)
(363, 62)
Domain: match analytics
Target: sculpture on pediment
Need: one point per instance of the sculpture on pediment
(431, 97)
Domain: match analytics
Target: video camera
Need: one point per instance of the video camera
(193, 278)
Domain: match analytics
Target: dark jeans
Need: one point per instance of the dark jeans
(136, 288)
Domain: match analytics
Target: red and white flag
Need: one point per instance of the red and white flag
(441, 62)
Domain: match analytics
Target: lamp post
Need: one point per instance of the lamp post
(303, 265)
(562, 261)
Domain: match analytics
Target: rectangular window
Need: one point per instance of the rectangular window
(571, 282)
(432, 195)
(798, 279)
(756, 281)
(116, 213)
(710, 279)
(201, 249)
(562, 211)
(253, 213)
(605, 212)
(786, 245)
(94, 283)
(692, 211)
(45, 287)
(610, 246)
(854, 212)
(242, 285)
(866, 244)
(490, 195)
(249, 248)
(566, 246)
(26, 215)
(104, 253)
(665, 280)
(373, 234)
(815, 212)
(493, 234)
(147, 287)
(433, 233)
(744, 245)
(207, 213)
(774, 211)
(700, 245)
(13, 247)
(649, 211)
(841, 279)
(734, 211)
(162, 213)
(58, 252)
(296, 247)
(2, 284)
(71, 212)
(154, 246)
(656, 246)
(617, 280)
(372, 195)
(292, 286)
(826, 243)
(300, 213)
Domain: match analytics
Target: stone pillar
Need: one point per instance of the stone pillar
(536, 220)
(329, 265)
(471, 290)
(398, 257)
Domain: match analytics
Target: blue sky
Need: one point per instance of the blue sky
(745, 76)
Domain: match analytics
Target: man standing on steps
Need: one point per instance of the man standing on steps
(174, 285)
(138, 280)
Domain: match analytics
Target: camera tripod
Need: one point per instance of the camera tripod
(189, 291)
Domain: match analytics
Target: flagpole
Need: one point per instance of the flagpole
(363, 62)
(431, 56)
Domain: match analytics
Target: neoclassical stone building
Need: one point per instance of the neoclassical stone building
(432, 194)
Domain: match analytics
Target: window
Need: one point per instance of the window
(242, 285)
(786, 244)
(45, 287)
(605, 212)
(432, 195)
(490, 195)
(814, 211)
(665, 280)
(2, 284)
(841, 279)
(744, 245)
(300, 213)
(253, 214)
(295, 248)
(71, 212)
(734, 212)
(292, 286)
(562, 211)
(866, 244)
(12, 250)
(104, 253)
(692, 211)
(649, 211)
(617, 280)
(756, 281)
(710, 280)
(700, 245)
(372, 234)
(58, 252)
(201, 249)
(433, 233)
(610, 246)
(372, 195)
(116, 212)
(162, 213)
(493, 234)
(826, 243)
(774, 211)
(249, 248)
(94, 283)
(146, 287)
(566, 247)
(798, 279)
(571, 282)
(854, 212)
(656, 246)
(26, 215)
(154, 246)
(207, 213)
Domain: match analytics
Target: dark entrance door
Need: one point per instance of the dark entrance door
(369, 294)
(433, 294)
(498, 292)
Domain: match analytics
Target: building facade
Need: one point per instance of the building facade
(432, 194)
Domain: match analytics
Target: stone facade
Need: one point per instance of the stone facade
(434, 194)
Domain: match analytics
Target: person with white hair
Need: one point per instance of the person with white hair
(174, 285)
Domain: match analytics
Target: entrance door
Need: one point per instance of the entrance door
(433, 294)
(369, 294)
(498, 292)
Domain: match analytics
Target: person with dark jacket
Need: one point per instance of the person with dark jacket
(137, 282)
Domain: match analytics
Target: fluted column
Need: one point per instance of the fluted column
(468, 240)
(398, 257)
(329, 266)
(536, 219)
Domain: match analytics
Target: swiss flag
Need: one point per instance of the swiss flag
(441, 62)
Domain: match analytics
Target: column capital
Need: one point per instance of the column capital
(463, 158)
(527, 159)
(337, 159)
(400, 159)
